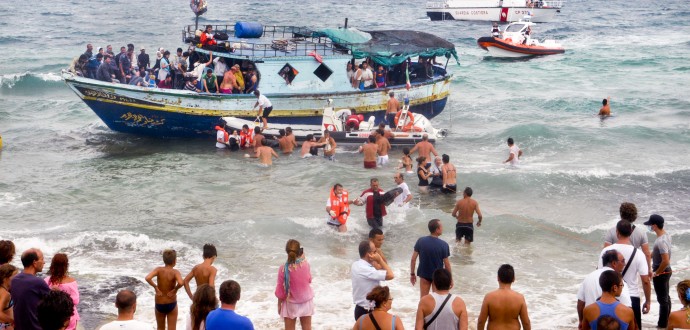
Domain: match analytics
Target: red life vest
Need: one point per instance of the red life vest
(247, 139)
(341, 207)
(353, 121)
(370, 203)
(226, 136)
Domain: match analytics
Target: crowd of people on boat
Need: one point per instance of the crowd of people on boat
(190, 70)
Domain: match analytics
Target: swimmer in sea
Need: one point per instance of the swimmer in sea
(464, 211)
(605, 110)
(265, 154)
(169, 281)
(286, 144)
(406, 161)
(369, 151)
(449, 176)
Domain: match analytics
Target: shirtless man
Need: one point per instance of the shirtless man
(605, 110)
(503, 306)
(392, 108)
(449, 176)
(329, 145)
(258, 139)
(369, 150)
(203, 273)
(387, 133)
(169, 281)
(291, 138)
(265, 154)
(464, 211)
(383, 147)
(229, 82)
(424, 148)
(309, 147)
(286, 144)
(376, 236)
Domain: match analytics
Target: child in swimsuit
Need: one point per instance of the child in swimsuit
(169, 281)
(7, 271)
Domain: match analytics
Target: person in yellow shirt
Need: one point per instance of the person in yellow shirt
(239, 77)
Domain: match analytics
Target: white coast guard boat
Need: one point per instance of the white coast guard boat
(493, 10)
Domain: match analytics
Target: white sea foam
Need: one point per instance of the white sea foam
(13, 200)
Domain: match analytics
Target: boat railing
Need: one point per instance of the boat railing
(436, 4)
(275, 41)
(552, 3)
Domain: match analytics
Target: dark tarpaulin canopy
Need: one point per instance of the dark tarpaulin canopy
(391, 47)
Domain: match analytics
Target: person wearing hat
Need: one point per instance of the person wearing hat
(661, 267)
(143, 61)
(210, 82)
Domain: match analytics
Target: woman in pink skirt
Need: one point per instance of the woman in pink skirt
(293, 288)
(59, 280)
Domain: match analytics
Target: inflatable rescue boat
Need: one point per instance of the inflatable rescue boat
(516, 41)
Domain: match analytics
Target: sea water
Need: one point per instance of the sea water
(114, 201)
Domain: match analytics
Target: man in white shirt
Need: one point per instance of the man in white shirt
(126, 303)
(405, 197)
(636, 268)
(265, 107)
(515, 153)
(590, 290)
(365, 277)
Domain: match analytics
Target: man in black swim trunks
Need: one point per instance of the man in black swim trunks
(464, 212)
(169, 280)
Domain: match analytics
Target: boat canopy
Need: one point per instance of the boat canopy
(390, 47)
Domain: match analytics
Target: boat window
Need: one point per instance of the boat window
(515, 28)
(288, 73)
(323, 72)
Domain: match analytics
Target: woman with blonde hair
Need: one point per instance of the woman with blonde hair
(203, 302)
(379, 318)
(681, 319)
(59, 280)
(293, 288)
(7, 272)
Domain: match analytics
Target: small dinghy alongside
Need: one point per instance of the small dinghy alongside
(348, 128)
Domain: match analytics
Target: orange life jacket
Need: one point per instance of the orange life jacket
(341, 206)
(226, 136)
(409, 121)
(246, 139)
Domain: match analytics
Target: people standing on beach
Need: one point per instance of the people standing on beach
(365, 276)
(514, 153)
(293, 288)
(55, 310)
(27, 289)
(449, 176)
(225, 317)
(441, 310)
(424, 148)
(661, 267)
(7, 252)
(383, 147)
(203, 302)
(405, 197)
(637, 270)
(7, 272)
(328, 145)
(126, 304)
(265, 107)
(60, 280)
(338, 208)
(265, 154)
(679, 319)
(369, 150)
(464, 212)
(203, 273)
(375, 209)
(433, 254)
(638, 238)
(590, 290)
(392, 107)
(611, 284)
(379, 318)
(605, 109)
(169, 280)
(503, 307)
(376, 236)
(423, 174)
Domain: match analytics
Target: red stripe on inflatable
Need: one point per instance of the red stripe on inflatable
(504, 14)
